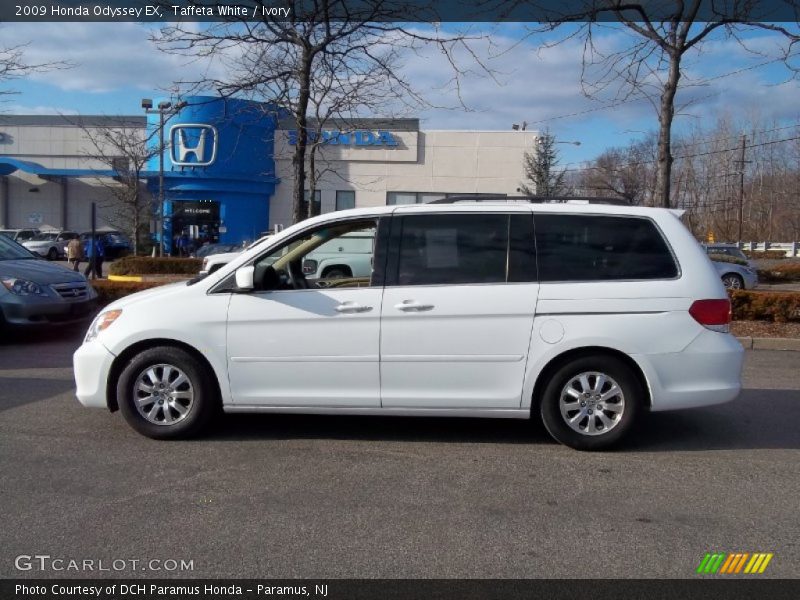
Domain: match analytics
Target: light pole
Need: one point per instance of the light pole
(162, 109)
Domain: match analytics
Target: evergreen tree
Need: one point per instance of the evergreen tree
(541, 176)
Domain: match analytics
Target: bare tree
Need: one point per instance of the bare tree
(625, 172)
(663, 33)
(288, 61)
(14, 66)
(125, 151)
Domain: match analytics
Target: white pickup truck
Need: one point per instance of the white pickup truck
(347, 256)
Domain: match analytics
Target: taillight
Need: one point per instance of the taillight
(712, 314)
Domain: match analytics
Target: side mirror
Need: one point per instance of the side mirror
(244, 278)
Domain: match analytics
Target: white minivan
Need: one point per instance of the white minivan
(584, 315)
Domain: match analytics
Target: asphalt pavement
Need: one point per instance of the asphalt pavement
(325, 497)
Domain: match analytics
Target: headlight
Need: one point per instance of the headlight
(22, 287)
(101, 322)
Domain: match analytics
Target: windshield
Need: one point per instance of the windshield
(44, 237)
(10, 250)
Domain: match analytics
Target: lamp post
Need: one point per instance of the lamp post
(163, 109)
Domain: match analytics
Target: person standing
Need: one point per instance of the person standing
(94, 255)
(75, 253)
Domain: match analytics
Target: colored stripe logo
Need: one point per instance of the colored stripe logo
(734, 563)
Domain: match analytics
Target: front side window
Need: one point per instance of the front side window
(336, 255)
(452, 249)
(598, 248)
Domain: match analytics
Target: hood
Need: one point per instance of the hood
(160, 291)
(39, 271)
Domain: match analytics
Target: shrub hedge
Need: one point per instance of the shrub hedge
(764, 254)
(781, 273)
(109, 291)
(145, 265)
(779, 307)
(728, 259)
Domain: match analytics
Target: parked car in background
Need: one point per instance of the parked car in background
(347, 256)
(52, 245)
(582, 316)
(33, 291)
(735, 276)
(733, 266)
(19, 235)
(731, 250)
(215, 261)
(209, 249)
(115, 243)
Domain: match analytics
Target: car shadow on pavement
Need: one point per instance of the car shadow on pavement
(757, 419)
(403, 429)
(18, 391)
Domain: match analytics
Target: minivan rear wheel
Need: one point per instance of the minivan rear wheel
(591, 402)
(165, 393)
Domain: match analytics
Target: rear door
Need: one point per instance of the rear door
(457, 309)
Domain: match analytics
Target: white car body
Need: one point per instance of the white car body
(469, 350)
(55, 248)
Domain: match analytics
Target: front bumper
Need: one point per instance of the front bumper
(92, 365)
(35, 310)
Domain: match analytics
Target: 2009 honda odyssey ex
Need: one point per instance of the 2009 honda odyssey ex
(584, 315)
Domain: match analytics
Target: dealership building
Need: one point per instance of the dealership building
(227, 167)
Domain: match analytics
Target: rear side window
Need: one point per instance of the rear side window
(598, 248)
(452, 249)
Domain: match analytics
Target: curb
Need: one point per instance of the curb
(137, 278)
(751, 343)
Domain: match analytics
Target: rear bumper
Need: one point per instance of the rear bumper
(707, 372)
(92, 364)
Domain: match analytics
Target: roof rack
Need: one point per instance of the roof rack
(531, 199)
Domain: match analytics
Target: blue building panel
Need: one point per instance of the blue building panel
(219, 168)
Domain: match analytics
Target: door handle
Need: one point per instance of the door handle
(352, 307)
(412, 305)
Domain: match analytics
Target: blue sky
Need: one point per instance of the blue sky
(115, 65)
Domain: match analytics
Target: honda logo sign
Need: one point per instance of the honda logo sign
(193, 145)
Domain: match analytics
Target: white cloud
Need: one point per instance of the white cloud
(22, 109)
(531, 83)
(106, 56)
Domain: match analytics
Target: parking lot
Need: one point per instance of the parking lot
(302, 496)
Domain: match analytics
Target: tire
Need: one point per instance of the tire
(619, 412)
(148, 369)
(52, 254)
(336, 273)
(732, 281)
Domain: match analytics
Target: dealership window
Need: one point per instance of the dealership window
(592, 248)
(395, 198)
(453, 249)
(317, 203)
(345, 199)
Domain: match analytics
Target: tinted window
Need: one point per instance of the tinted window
(592, 248)
(451, 249)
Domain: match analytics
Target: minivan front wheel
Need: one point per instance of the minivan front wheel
(165, 393)
(591, 402)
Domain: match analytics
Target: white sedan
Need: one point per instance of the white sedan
(50, 244)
